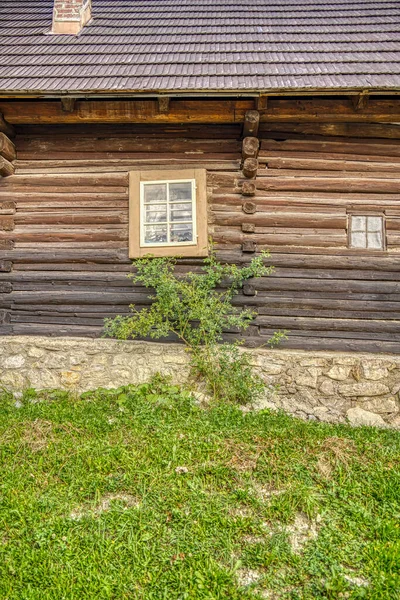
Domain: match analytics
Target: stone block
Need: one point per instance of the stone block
(15, 361)
(379, 405)
(358, 416)
(374, 371)
(70, 379)
(339, 373)
(42, 379)
(364, 388)
(327, 388)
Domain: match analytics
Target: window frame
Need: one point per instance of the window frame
(360, 213)
(199, 246)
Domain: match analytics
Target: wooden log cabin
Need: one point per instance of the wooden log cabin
(131, 127)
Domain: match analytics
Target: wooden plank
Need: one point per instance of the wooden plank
(300, 109)
(126, 111)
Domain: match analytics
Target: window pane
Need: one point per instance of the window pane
(375, 240)
(358, 223)
(180, 191)
(155, 234)
(156, 213)
(181, 212)
(182, 232)
(374, 223)
(358, 239)
(155, 192)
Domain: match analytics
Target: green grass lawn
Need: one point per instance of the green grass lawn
(139, 493)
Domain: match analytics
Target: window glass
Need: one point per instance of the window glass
(167, 214)
(366, 232)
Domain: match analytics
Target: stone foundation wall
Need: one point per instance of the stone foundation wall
(328, 386)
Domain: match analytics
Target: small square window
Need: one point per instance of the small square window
(367, 232)
(168, 213)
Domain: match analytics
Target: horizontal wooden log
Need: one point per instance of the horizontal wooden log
(7, 148)
(6, 168)
(283, 109)
(333, 184)
(126, 111)
(320, 164)
(66, 217)
(38, 146)
(288, 219)
(316, 173)
(362, 130)
(63, 180)
(283, 239)
(319, 324)
(56, 330)
(361, 147)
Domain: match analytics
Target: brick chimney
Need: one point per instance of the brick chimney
(70, 16)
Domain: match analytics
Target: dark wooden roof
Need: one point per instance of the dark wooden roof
(203, 45)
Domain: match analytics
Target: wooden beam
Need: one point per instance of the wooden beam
(163, 104)
(262, 103)
(126, 111)
(251, 123)
(250, 167)
(249, 208)
(7, 148)
(249, 246)
(284, 109)
(250, 147)
(248, 188)
(6, 168)
(361, 130)
(360, 102)
(68, 104)
(6, 127)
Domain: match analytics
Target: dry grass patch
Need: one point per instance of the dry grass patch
(104, 505)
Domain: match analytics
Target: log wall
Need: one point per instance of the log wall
(64, 216)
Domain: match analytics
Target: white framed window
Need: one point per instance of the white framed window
(168, 213)
(367, 232)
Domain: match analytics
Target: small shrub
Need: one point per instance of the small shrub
(228, 373)
(197, 308)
